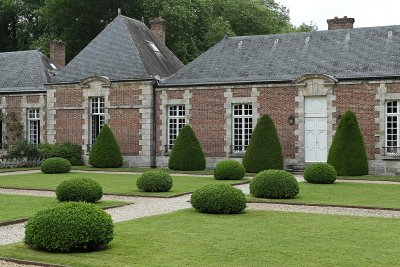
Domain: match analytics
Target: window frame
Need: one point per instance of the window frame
(178, 124)
(394, 148)
(246, 132)
(33, 126)
(97, 117)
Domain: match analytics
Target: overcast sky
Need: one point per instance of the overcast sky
(365, 12)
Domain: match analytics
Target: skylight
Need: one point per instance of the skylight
(53, 66)
(155, 48)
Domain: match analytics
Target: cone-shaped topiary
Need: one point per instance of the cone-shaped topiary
(264, 151)
(105, 152)
(347, 152)
(186, 154)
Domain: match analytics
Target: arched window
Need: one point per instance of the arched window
(392, 127)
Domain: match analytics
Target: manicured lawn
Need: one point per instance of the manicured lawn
(15, 207)
(372, 178)
(112, 183)
(346, 194)
(255, 238)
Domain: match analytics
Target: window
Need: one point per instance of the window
(33, 126)
(176, 121)
(242, 126)
(392, 128)
(97, 117)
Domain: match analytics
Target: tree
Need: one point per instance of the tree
(264, 151)
(187, 154)
(105, 152)
(347, 153)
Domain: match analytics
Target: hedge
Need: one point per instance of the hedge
(274, 184)
(154, 181)
(320, 173)
(55, 165)
(79, 189)
(229, 170)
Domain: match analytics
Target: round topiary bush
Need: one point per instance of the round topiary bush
(320, 173)
(79, 189)
(274, 184)
(55, 165)
(154, 181)
(218, 198)
(229, 170)
(69, 227)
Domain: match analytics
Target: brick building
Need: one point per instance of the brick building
(128, 78)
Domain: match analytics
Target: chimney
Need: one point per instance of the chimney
(340, 23)
(157, 26)
(57, 53)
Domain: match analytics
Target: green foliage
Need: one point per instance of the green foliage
(69, 227)
(23, 149)
(229, 170)
(264, 151)
(55, 165)
(320, 173)
(187, 154)
(79, 189)
(105, 152)
(347, 153)
(66, 150)
(274, 184)
(154, 181)
(218, 198)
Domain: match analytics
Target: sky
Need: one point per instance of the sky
(367, 13)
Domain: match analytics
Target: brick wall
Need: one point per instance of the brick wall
(69, 126)
(361, 100)
(279, 103)
(208, 120)
(70, 97)
(125, 124)
(125, 94)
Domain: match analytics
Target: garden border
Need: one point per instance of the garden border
(33, 263)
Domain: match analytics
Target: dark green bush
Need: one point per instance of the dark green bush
(79, 189)
(23, 149)
(66, 150)
(218, 198)
(229, 170)
(274, 184)
(154, 181)
(105, 152)
(55, 165)
(347, 153)
(264, 151)
(320, 173)
(69, 227)
(186, 154)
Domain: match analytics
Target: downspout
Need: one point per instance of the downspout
(153, 153)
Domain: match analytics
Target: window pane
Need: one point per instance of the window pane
(176, 121)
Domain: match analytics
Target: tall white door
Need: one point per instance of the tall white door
(316, 148)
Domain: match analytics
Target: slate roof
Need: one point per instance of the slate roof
(350, 53)
(122, 51)
(24, 71)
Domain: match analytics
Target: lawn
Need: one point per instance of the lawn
(372, 178)
(344, 194)
(15, 207)
(255, 238)
(124, 184)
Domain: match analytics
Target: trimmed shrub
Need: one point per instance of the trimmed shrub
(264, 151)
(79, 189)
(23, 149)
(274, 184)
(69, 227)
(186, 154)
(218, 198)
(320, 173)
(154, 181)
(229, 170)
(347, 153)
(105, 152)
(55, 165)
(69, 151)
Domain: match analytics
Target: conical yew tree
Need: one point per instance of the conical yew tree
(264, 151)
(105, 152)
(187, 154)
(347, 153)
